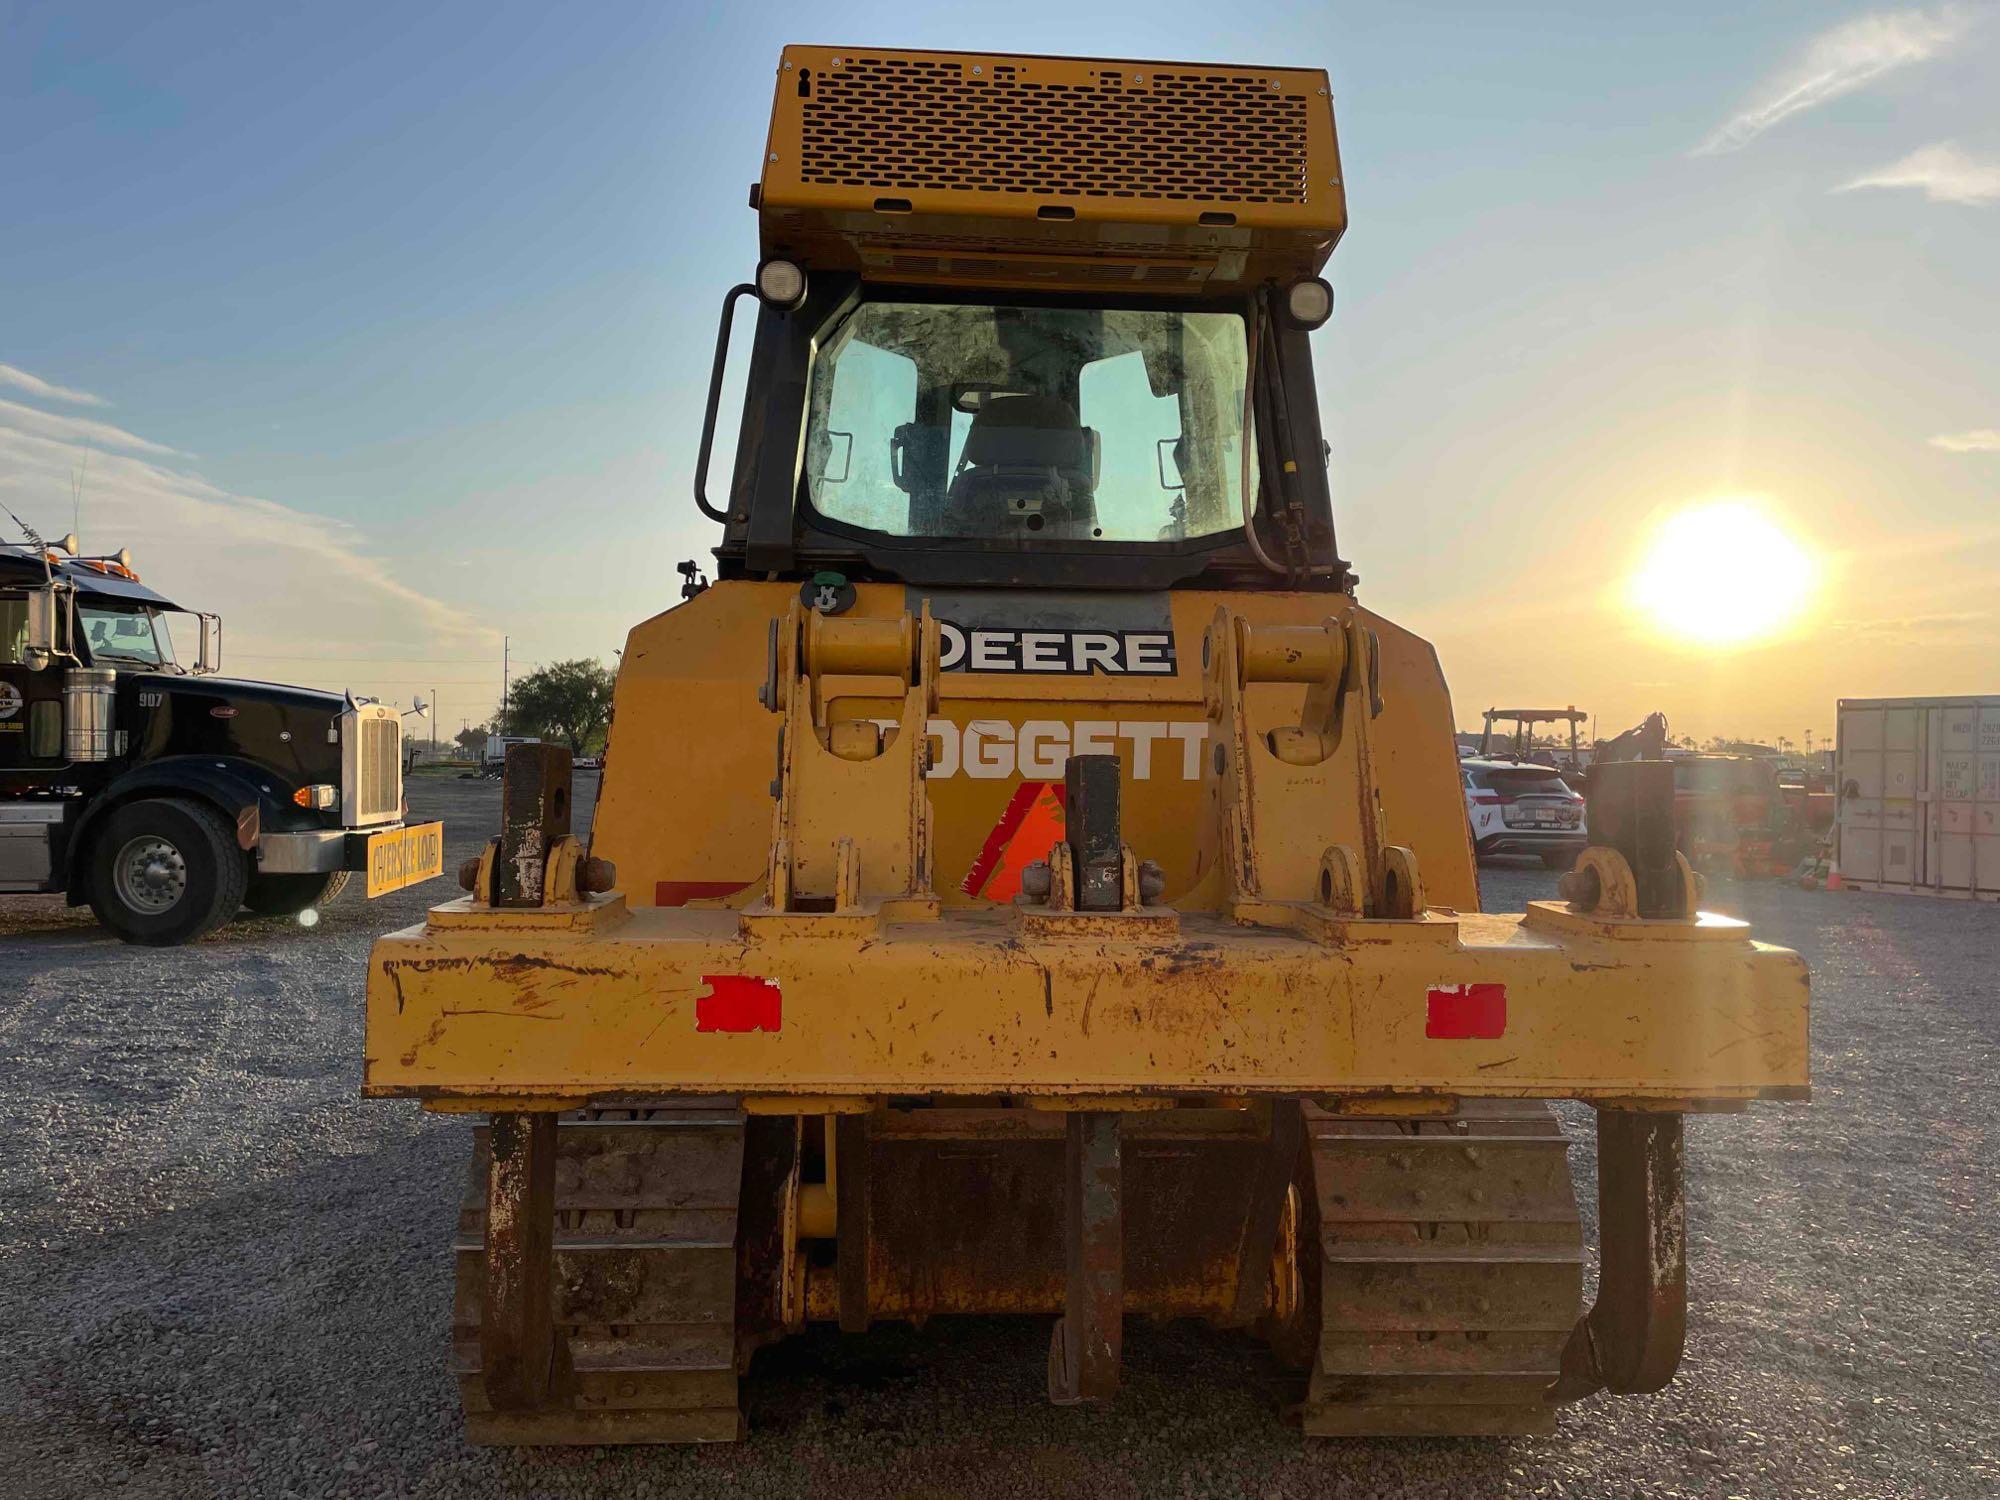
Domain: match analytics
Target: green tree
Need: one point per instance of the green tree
(568, 701)
(472, 739)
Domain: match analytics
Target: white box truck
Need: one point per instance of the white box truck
(1919, 784)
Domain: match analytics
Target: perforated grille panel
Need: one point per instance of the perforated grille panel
(923, 125)
(381, 790)
(371, 766)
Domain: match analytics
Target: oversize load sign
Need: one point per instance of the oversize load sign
(403, 856)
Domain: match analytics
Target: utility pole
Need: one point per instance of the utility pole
(437, 728)
(506, 644)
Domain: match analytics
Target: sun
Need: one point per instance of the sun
(1723, 574)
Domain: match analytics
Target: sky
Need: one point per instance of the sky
(384, 330)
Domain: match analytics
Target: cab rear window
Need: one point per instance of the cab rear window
(1522, 783)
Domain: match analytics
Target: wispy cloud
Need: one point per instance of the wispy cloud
(1836, 62)
(1945, 173)
(46, 390)
(78, 430)
(283, 576)
(1964, 625)
(1978, 440)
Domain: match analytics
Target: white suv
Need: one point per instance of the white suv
(1517, 807)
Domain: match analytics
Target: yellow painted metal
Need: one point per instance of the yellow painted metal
(687, 719)
(851, 828)
(815, 1104)
(1610, 1008)
(1260, 977)
(994, 169)
(486, 1104)
(402, 857)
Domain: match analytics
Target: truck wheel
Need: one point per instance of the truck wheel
(165, 871)
(288, 895)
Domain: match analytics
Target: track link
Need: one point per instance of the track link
(645, 1280)
(1450, 1272)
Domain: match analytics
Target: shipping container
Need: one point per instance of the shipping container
(1919, 784)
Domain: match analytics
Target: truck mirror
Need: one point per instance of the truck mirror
(43, 646)
(209, 658)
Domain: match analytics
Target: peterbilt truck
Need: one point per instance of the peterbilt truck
(164, 796)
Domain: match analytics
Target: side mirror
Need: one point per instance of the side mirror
(209, 658)
(43, 645)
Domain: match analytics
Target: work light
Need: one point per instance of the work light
(781, 284)
(1309, 303)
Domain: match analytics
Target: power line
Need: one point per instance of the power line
(371, 681)
(454, 661)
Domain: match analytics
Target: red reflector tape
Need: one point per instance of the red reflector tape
(1467, 1011)
(738, 1002)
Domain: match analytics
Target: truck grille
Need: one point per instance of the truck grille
(381, 791)
(371, 765)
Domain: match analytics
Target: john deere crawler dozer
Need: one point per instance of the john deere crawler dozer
(1028, 881)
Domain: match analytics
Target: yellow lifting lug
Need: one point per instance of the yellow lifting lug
(1603, 882)
(851, 832)
(475, 876)
(1283, 798)
(1341, 882)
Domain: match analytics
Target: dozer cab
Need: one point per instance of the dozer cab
(1028, 881)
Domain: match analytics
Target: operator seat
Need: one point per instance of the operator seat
(1029, 469)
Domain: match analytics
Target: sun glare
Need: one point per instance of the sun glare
(1723, 574)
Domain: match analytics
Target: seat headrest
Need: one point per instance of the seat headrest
(1026, 431)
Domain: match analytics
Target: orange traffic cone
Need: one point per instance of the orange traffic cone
(1833, 881)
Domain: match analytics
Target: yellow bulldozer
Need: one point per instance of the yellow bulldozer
(1027, 880)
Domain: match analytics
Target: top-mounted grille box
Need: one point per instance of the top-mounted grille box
(1030, 168)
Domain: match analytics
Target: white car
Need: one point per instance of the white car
(1518, 807)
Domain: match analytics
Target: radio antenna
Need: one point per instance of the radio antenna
(76, 479)
(35, 540)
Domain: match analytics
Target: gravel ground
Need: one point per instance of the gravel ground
(222, 1273)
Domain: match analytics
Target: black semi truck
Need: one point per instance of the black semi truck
(164, 796)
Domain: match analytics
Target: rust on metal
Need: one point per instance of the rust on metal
(767, 1303)
(534, 813)
(1261, 1226)
(851, 1224)
(1449, 1263)
(1000, 1246)
(521, 1353)
(1086, 1343)
(1631, 1340)
(647, 1272)
(1093, 831)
